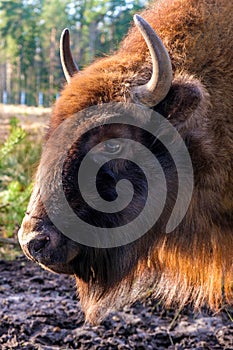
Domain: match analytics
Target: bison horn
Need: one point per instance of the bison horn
(68, 64)
(158, 86)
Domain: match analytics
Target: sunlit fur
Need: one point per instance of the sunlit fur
(195, 262)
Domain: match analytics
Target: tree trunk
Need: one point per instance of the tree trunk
(92, 39)
(52, 53)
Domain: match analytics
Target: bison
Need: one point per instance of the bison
(176, 61)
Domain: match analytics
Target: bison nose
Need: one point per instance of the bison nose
(37, 245)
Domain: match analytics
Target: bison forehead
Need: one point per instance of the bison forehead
(105, 81)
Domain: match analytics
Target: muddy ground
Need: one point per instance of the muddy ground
(40, 310)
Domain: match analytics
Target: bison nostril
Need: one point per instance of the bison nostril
(38, 244)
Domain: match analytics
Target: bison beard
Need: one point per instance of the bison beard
(194, 263)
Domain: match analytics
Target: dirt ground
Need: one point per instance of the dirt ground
(40, 310)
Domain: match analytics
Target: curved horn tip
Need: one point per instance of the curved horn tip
(140, 21)
(68, 64)
(137, 18)
(157, 88)
(65, 32)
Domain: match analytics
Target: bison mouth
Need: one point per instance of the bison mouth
(44, 244)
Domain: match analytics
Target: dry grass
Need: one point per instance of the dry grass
(32, 119)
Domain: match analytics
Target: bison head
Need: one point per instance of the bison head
(130, 96)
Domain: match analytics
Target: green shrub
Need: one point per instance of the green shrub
(18, 158)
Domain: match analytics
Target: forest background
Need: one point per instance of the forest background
(30, 31)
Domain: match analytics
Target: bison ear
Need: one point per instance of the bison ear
(185, 97)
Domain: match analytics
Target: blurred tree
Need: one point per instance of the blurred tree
(54, 18)
(19, 31)
(29, 40)
(98, 26)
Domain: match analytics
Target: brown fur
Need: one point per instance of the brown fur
(195, 262)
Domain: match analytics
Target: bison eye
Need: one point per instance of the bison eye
(112, 146)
